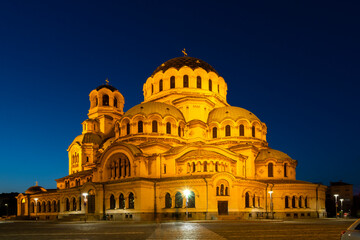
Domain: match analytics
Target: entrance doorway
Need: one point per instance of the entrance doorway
(223, 207)
(91, 204)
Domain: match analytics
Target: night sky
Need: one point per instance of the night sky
(294, 64)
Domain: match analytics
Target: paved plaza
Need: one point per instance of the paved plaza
(326, 229)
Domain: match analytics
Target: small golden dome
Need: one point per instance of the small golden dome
(234, 113)
(155, 108)
(272, 153)
(35, 189)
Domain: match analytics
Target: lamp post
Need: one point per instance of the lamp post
(341, 201)
(271, 204)
(36, 199)
(85, 200)
(336, 204)
(187, 194)
(7, 209)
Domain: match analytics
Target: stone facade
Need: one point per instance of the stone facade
(184, 138)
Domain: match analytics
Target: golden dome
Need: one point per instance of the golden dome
(88, 138)
(234, 113)
(180, 62)
(35, 189)
(272, 153)
(148, 108)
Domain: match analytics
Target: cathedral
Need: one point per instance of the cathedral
(183, 153)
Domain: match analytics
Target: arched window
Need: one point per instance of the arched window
(247, 200)
(152, 88)
(285, 170)
(227, 131)
(121, 201)
(191, 200)
(270, 170)
(242, 130)
(128, 128)
(48, 206)
(205, 166)
(96, 102)
(115, 102)
(168, 200)
(178, 200)
(222, 189)
(140, 127)
(43, 207)
(105, 100)
(58, 206)
(67, 204)
(253, 131)
(286, 202)
(154, 126)
(193, 167)
(79, 203)
(226, 191)
(168, 128)
(300, 202)
(186, 81)
(216, 167)
(179, 131)
(38, 207)
(54, 206)
(214, 132)
(198, 82)
(172, 82)
(112, 202)
(293, 202)
(160, 85)
(217, 191)
(253, 201)
(131, 201)
(210, 85)
(74, 204)
(32, 207)
(306, 202)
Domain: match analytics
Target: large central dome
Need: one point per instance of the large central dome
(180, 62)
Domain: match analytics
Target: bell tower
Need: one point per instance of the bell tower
(106, 106)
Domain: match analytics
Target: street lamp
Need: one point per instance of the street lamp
(36, 199)
(187, 194)
(85, 200)
(341, 200)
(7, 209)
(271, 204)
(336, 204)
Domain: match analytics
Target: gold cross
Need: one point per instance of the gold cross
(184, 52)
(107, 81)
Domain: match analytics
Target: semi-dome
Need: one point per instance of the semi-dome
(180, 62)
(35, 189)
(155, 108)
(234, 113)
(272, 153)
(88, 138)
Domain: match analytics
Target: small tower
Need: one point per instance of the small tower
(106, 106)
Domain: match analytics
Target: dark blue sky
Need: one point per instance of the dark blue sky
(295, 64)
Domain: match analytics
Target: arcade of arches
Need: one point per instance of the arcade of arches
(137, 164)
